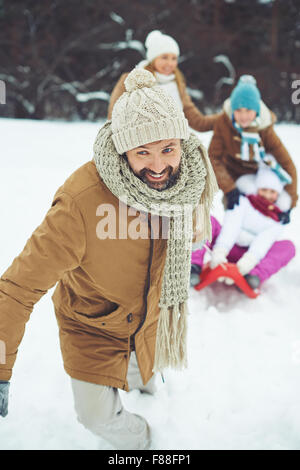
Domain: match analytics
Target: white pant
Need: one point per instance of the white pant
(99, 409)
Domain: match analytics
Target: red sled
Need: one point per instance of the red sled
(208, 276)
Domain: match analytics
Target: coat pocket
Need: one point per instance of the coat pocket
(115, 321)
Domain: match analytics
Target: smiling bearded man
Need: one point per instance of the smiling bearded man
(120, 302)
(156, 164)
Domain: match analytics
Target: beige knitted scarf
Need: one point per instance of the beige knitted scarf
(189, 199)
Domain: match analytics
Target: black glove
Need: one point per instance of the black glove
(285, 217)
(233, 198)
(196, 269)
(4, 387)
(195, 273)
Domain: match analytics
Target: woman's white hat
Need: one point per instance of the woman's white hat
(158, 43)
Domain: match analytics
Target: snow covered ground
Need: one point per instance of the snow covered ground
(242, 387)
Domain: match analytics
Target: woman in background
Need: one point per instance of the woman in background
(161, 60)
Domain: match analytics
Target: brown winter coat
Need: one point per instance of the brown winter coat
(225, 153)
(196, 119)
(106, 299)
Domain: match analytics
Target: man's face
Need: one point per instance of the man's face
(244, 116)
(156, 164)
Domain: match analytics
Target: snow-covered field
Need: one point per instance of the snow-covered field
(242, 387)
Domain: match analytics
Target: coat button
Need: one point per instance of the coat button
(129, 318)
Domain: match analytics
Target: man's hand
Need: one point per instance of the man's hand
(233, 198)
(4, 387)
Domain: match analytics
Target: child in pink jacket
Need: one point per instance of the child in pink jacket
(250, 232)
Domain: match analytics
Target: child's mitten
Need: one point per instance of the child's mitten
(246, 263)
(218, 256)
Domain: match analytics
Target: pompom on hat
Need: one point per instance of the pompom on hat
(158, 43)
(246, 94)
(145, 113)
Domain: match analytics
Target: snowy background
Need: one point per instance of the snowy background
(242, 387)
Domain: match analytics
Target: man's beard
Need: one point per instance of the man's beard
(172, 173)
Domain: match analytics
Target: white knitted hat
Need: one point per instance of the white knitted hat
(157, 43)
(267, 178)
(145, 113)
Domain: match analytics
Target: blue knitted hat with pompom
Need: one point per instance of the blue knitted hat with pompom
(246, 94)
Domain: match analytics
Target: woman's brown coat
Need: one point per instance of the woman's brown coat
(225, 153)
(106, 299)
(196, 119)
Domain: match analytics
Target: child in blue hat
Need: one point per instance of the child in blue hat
(243, 135)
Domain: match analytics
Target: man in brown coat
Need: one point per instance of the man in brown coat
(122, 274)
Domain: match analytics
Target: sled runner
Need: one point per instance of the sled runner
(208, 276)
